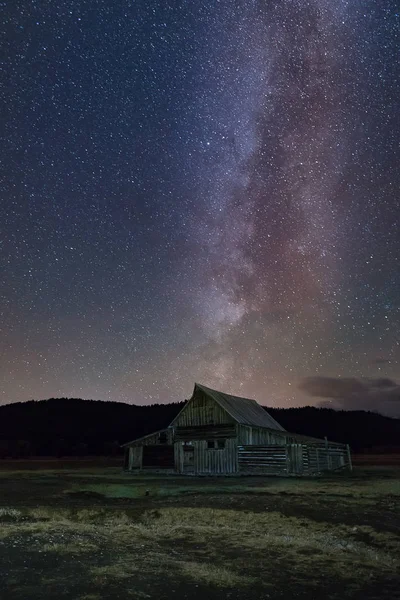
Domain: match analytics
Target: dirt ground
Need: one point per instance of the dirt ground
(99, 534)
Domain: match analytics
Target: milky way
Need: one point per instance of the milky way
(199, 191)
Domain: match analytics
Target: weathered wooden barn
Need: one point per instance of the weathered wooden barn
(220, 434)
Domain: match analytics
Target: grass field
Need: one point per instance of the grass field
(98, 534)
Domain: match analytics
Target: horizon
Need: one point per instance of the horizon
(320, 406)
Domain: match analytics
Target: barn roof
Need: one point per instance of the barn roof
(243, 410)
(143, 437)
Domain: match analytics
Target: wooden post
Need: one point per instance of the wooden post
(141, 457)
(328, 458)
(300, 458)
(130, 458)
(316, 450)
(287, 459)
(126, 459)
(349, 457)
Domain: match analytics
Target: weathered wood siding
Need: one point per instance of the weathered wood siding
(205, 432)
(217, 461)
(258, 436)
(135, 457)
(202, 411)
(295, 457)
(126, 459)
(319, 458)
(271, 460)
(178, 457)
(291, 459)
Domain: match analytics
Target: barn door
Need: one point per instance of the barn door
(160, 456)
(188, 458)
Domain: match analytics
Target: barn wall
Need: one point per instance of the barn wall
(211, 461)
(268, 460)
(215, 461)
(248, 435)
(329, 458)
(202, 411)
(205, 432)
(178, 455)
(291, 459)
(135, 454)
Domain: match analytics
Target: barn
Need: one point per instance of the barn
(219, 434)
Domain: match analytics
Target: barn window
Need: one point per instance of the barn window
(163, 437)
(212, 444)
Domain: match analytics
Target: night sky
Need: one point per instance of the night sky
(201, 191)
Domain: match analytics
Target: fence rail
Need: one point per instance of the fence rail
(296, 459)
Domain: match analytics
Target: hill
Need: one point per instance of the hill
(71, 426)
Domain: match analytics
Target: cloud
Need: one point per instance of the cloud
(380, 394)
(380, 361)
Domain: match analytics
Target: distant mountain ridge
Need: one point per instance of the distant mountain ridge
(72, 426)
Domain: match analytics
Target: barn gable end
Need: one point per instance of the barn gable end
(200, 410)
(207, 405)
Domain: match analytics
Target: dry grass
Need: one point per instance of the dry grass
(44, 520)
(47, 513)
(308, 545)
(78, 548)
(192, 544)
(213, 575)
(13, 513)
(246, 529)
(121, 569)
(238, 529)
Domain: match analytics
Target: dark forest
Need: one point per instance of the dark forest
(73, 427)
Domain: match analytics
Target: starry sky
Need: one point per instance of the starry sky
(201, 191)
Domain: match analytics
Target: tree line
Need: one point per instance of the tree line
(74, 427)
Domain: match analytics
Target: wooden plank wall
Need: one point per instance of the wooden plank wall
(202, 411)
(178, 457)
(319, 458)
(208, 460)
(271, 460)
(258, 436)
(135, 458)
(205, 432)
(295, 459)
(292, 459)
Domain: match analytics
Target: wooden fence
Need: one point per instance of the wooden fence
(293, 459)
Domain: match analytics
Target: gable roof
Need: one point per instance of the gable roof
(242, 410)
